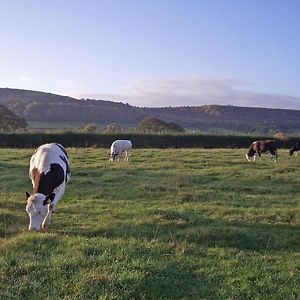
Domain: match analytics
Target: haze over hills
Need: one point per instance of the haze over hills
(47, 107)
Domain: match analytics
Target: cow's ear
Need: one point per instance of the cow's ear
(27, 195)
(49, 198)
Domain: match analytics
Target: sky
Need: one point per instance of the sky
(155, 53)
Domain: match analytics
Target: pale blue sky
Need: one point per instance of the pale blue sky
(155, 52)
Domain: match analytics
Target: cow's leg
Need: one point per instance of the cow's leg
(296, 153)
(52, 207)
(128, 154)
(274, 155)
(258, 154)
(48, 217)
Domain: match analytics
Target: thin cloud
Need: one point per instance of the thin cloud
(27, 78)
(70, 84)
(196, 92)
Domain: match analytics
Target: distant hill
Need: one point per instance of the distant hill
(46, 107)
(9, 121)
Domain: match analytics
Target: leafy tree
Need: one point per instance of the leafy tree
(281, 136)
(112, 128)
(90, 128)
(174, 127)
(153, 125)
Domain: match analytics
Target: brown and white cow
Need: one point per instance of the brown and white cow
(295, 148)
(49, 172)
(263, 146)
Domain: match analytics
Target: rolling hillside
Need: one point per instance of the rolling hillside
(9, 121)
(46, 107)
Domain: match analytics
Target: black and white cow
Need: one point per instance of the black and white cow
(263, 146)
(295, 148)
(49, 172)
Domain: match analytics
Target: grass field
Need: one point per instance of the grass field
(170, 224)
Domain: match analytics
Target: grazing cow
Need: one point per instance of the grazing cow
(119, 146)
(49, 172)
(263, 146)
(295, 148)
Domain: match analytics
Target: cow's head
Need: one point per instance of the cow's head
(112, 156)
(37, 209)
(250, 154)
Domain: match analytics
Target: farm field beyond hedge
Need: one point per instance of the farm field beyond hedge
(169, 224)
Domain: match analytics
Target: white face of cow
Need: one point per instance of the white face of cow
(37, 210)
(113, 157)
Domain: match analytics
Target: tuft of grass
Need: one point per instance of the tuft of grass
(169, 224)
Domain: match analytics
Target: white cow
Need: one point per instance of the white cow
(119, 146)
(49, 172)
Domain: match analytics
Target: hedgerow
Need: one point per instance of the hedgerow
(30, 140)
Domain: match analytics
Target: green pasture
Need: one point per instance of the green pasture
(169, 224)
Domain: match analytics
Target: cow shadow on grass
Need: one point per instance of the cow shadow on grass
(160, 279)
(175, 227)
(169, 226)
(162, 274)
(165, 225)
(174, 281)
(169, 274)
